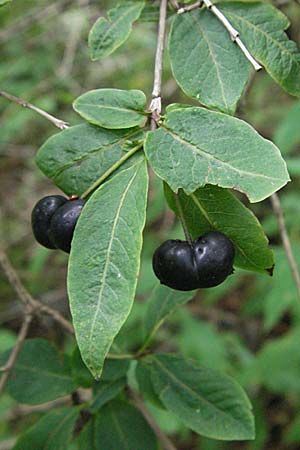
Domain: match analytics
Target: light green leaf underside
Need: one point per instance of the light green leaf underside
(162, 302)
(76, 157)
(107, 35)
(38, 375)
(112, 108)
(204, 61)
(4, 2)
(205, 400)
(196, 146)
(52, 432)
(215, 208)
(104, 262)
(261, 28)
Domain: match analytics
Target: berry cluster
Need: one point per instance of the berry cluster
(53, 221)
(203, 263)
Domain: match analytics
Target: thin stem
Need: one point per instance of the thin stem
(155, 105)
(140, 405)
(16, 350)
(111, 170)
(31, 305)
(182, 219)
(61, 124)
(286, 240)
(120, 356)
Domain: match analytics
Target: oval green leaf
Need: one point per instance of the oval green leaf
(104, 262)
(112, 108)
(205, 400)
(261, 27)
(204, 61)
(107, 35)
(214, 208)
(76, 157)
(195, 147)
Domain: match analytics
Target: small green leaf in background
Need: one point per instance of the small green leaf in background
(3, 2)
(205, 400)
(112, 108)
(205, 62)
(145, 384)
(104, 391)
(104, 262)
(38, 375)
(287, 134)
(261, 28)
(195, 147)
(161, 303)
(76, 157)
(119, 425)
(81, 375)
(52, 432)
(114, 369)
(108, 35)
(214, 208)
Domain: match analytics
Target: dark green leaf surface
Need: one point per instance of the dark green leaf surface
(76, 157)
(195, 147)
(120, 426)
(107, 35)
(204, 61)
(261, 28)
(161, 303)
(104, 262)
(214, 208)
(51, 432)
(38, 375)
(112, 108)
(104, 391)
(205, 400)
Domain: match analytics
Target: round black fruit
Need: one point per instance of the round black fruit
(214, 255)
(63, 223)
(173, 264)
(204, 263)
(41, 217)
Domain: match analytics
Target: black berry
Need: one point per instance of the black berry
(63, 223)
(41, 217)
(204, 263)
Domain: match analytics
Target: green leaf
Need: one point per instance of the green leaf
(52, 432)
(195, 147)
(81, 375)
(38, 376)
(204, 61)
(104, 391)
(3, 2)
(278, 364)
(120, 426)
(114, 369)
(205, 400)
(108, 35)
(287, 134)
(261, 28)
(214, 208)
(162, 302)
(104, 262)
(76, 157)
(112, 108)
(145, 385)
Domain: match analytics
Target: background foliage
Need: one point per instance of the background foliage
(248, 327)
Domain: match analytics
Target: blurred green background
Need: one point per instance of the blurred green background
(247, 327)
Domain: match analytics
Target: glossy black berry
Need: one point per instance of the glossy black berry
(63, 223)
(204, 263)
(173, 264)
(41, 217)
(214, 255)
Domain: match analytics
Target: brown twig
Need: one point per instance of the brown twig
(61, 124)
(285, 240)
(16, 350)
(140, 405)
(32, 305)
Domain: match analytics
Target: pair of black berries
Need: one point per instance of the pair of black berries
(203, 263)
(53, 221)
(181, 265)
